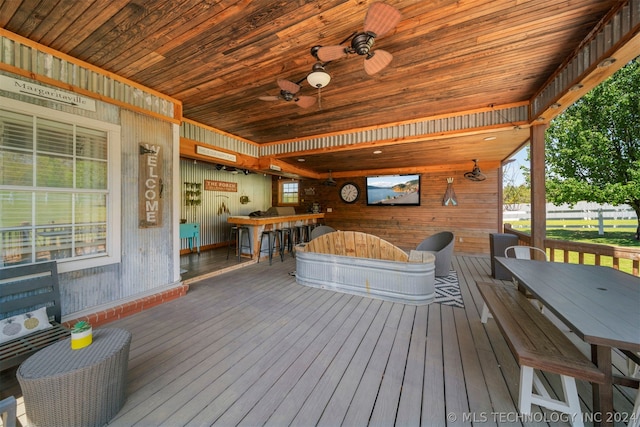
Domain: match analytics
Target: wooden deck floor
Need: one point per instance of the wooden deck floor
(252, 347)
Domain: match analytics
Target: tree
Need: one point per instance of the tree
(513, 194)
(593, 148)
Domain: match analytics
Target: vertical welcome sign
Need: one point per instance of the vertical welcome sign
(150, 186)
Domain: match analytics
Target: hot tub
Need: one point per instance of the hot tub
(362, 264)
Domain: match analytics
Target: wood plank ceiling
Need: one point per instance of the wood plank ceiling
(219, 57)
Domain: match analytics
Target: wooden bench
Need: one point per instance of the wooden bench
(538, 344)
(23, 289)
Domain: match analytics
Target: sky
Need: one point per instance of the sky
(390, 180)
(520, 160)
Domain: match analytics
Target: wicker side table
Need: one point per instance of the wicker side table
(86, 387)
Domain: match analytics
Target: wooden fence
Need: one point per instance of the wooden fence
(587, 253)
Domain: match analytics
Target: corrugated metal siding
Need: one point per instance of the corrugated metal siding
(146, 252)
(209, 137)
(213, 221)
(590, 54)
(423, 128)
(27, 58)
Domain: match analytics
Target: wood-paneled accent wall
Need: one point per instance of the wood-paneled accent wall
(471, 221)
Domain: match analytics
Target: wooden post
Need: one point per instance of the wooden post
(538, 193)
(500, 184)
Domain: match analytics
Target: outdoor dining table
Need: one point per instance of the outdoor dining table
(599, 304)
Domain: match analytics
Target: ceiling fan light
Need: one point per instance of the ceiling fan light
(318, 77)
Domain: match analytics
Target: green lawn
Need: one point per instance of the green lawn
(613, 234)
(612, 237)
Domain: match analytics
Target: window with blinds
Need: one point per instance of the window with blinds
(288, 191)
(55, 192)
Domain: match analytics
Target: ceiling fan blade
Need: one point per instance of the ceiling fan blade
(288, 86)
(269, 98)
(381, 18)
(331, 53)
(379, 60)
(305, 101)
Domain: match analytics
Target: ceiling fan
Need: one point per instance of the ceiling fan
(329, 182)
(475, 174)
(380, 19)
(288, 91)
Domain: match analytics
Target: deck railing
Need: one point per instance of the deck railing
(586, 253)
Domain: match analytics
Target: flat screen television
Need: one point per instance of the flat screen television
(393, 190)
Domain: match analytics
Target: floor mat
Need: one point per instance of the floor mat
(448, 290)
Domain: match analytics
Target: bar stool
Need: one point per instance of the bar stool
(286, 240)
(302, 235)
(272, 236)
(310, 228)
(237, 233)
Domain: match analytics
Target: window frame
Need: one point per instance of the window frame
(113, 190)
(281, 192)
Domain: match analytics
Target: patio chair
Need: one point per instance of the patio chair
(524, 252)
(441, 245)
(320, 230)
(8, 411)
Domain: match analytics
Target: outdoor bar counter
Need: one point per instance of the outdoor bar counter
(258, 224)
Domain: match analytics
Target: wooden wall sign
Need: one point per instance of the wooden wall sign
(210, 185)
(150, 186)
